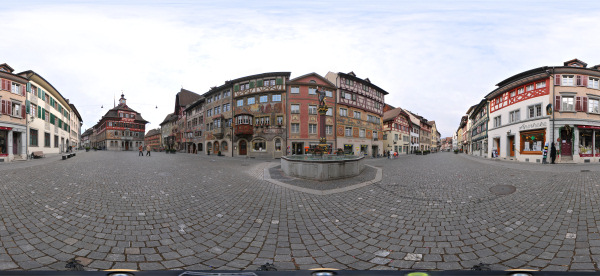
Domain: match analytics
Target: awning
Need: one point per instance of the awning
(588, 127)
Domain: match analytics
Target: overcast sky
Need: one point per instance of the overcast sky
(435, 58)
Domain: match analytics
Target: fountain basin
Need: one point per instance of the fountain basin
(328, 167)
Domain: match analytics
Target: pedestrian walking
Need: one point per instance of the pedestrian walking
(141, 151)
(148, 150)
(553, 153)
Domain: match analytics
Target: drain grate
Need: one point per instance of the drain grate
(503, 189)
(585, 170)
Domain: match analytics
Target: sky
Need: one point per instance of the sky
(434, 58)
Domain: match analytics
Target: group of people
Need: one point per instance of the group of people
(141, 148)
(392, 154)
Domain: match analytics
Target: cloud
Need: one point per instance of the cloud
(434, 58)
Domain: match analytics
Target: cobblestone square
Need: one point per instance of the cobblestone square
(183, 211)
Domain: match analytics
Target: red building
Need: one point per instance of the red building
(303, 120)
(121, 128)
(153, 139)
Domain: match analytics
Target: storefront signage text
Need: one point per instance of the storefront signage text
(532, 125)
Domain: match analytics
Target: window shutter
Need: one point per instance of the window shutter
(22, 90)
(585, 104)
(8, 107)
(585, 81)
(3, 103)
(557, 103)
(579, 80)
(39, 112)
(236, 87)
(557, 79)
(2, 81)
(28, 87)
(278, 81)
(23, 113)
(43, 114)
(259, 83)
(577, 103)
(251, 84)
(28, 104)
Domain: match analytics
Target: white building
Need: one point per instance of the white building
(518, 120)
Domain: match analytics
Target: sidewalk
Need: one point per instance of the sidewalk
(49, 158)
(538, 167)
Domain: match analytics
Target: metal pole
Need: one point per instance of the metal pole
(553, 99)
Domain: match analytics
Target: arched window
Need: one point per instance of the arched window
(277, 144)
(223, 146)
(209, 146)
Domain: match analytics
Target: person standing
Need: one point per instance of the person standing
(141, 149)
(553, 153)
(148, 150)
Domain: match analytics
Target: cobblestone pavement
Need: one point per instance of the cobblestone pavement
(118, 210)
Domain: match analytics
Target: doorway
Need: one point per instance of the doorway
(511, 146)
(126, 145)
(16, 142)
(243, 148)
(297, 147)
(566, 136)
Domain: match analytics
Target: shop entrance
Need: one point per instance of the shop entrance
(243, 147)
(375, 150)
(297, 147)
(16, 142)
(566, 136)
(126, 145)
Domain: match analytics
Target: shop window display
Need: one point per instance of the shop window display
(585, 141)
(532, 142)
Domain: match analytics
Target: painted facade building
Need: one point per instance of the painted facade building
(168, 130)
(396, 127)
(415, 131)
(75, 124)
(13, 115)
(519, 123)
(153, 139)
(218, 120)
(576, 96)
(302, 117)
(120, 129)
(479, 118)
(435, 137)
(359, 108)
(49, 121)
(182, 100)
(85, 138)
(260, 114)
(194, 133)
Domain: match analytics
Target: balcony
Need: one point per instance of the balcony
(218, 132)
(244, 130)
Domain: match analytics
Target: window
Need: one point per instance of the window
(295, 108)
(56, 141)
(535, 111)
(33, 137)
(240, 102)
(328, 130)
(226, 107)
(312, 128)
(348, 96)
(519, 91)
(47, 117)
(277, 145)
(209, 112)
(343, 112)
(531, 141)
(328, 94)
(243, 120)
(593, 106)
(514, 116)
(16, 109)
(594, 83)
(540, 84)
(377, 105)
(375, 135)
(529, 87)
(356, 115)
(295, 90)
(567, 104)
(295, 128)
(312, 90)
(46, 139)
(33, 110)
(259, 145)
(217, 110)
(567, 80)
(512, 93)
(226, 93)
(264, 99)
(395, 137)
(279, 120)
(348, 131)
(312, 109)
(497, 121)
(243, 86)
(585, 141)
(361, 133)
(329, 111)
(251, 100)
(276, 98)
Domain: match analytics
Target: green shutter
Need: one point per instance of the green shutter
(278, 81)
(51, 118)
(59, 123)
(28, 87)
(28, 106)
(39, 94)
(259, 83)
(236, 87)
(39, 112)
(43, 114)
(251, 84)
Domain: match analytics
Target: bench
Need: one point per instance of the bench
(37, 154)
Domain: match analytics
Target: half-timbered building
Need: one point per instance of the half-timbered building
(359, 108)
(218, 119)
(194, 133)
(260, 115)
(396, 127)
